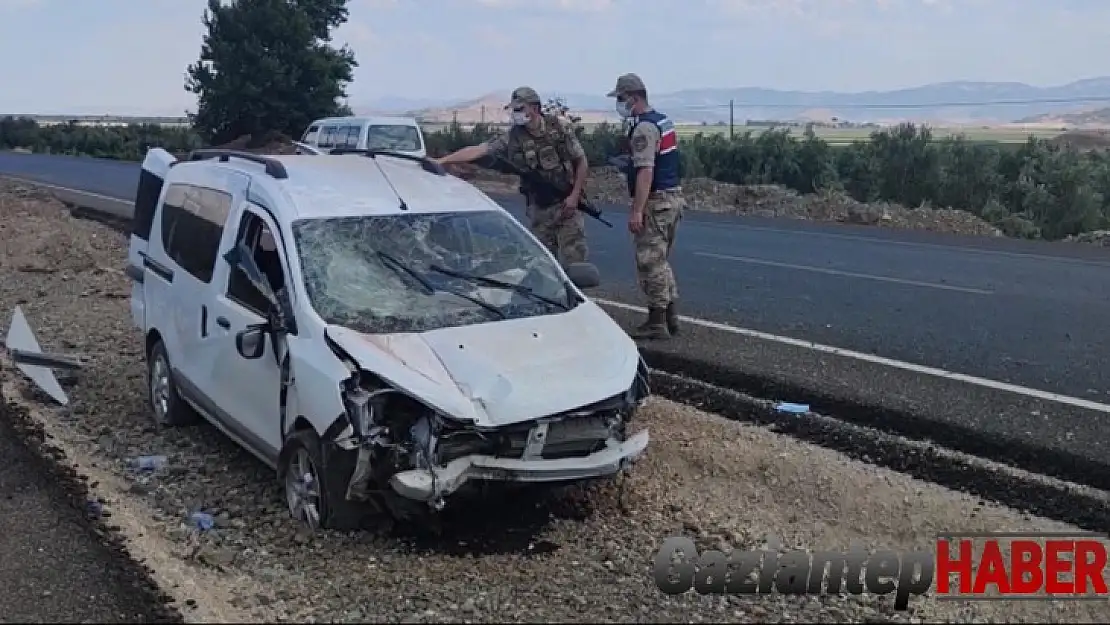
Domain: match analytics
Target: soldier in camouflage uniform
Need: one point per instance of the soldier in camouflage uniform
(657, 204)
(545, 144)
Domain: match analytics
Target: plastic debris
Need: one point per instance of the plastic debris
(202, 521)
(147, 463)
(792, 408)
(94, 509)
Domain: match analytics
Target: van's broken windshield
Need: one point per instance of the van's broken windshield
(412, 273)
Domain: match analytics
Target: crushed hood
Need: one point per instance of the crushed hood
(504, 372)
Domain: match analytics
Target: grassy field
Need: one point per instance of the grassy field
(845, 136)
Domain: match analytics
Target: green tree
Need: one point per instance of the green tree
(267, 66)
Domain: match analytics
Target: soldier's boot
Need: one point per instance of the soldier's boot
(655, 328)
(672, 318)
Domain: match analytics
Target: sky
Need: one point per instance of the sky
(129, 56)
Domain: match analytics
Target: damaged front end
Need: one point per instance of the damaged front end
(406, 452)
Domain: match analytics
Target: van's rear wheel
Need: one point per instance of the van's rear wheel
(316, 486)
(166, 406)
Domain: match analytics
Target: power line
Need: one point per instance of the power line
(862, 105)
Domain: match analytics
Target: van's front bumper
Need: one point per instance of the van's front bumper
(434, 484)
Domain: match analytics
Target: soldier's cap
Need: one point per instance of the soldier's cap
(627, 83)
(523, 95)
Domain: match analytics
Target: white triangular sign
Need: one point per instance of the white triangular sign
(22, 338)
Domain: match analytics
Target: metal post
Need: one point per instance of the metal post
(731, 119)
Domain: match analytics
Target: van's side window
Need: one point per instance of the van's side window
(327, 137)
(192, 225)
(146, 203)
(257, 237)
(352, 136)
(310, 135)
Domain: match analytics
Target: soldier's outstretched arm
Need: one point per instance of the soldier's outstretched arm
(468, 154)
(496, 146)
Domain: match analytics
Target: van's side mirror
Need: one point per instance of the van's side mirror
(251, 341)
(583, 275)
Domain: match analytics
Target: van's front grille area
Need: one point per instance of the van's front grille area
(576, 435)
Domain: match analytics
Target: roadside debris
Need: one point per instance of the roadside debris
(792, 408)
(147, 463)
(202, 521)
(36, 365)
(94, 509)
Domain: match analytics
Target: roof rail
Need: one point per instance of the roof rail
(274, 168)
(426, 163)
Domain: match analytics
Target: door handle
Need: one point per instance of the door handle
(223, 323)
(203, 322)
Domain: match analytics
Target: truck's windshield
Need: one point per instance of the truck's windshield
(411, 273)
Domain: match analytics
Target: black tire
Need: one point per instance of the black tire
(333, 472)
(176, 412)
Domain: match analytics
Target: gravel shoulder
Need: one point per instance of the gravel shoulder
(573, 555)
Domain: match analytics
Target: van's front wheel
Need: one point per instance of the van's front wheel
(315, 490)
(166, 406)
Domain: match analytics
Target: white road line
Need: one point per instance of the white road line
(98, 196)
(1067, 400)
(846, 274)
(1076, 402)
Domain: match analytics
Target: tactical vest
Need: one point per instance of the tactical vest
(545, 154)
(667, 159)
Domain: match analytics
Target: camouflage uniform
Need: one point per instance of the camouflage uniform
(550, 149)
(652, 143)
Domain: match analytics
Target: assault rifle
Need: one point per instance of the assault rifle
(531, 183)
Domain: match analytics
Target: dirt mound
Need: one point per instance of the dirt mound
(778, 201)
(1095, 237)
(1083, 139)
(607, 185)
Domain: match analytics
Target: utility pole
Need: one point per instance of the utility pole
(483, 113)
(731, 119)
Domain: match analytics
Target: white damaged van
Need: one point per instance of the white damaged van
(374, 330)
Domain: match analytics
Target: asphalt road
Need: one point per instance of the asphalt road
(1026, 313)
(54, 566)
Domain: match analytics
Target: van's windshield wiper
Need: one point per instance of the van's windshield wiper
(500, 284)
(431, 288)
(397, 265)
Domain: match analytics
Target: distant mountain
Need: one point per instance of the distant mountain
(963, 102)
(394, 104)
(489, 108)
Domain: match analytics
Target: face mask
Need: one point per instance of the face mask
(520, 118)
(624, 109)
